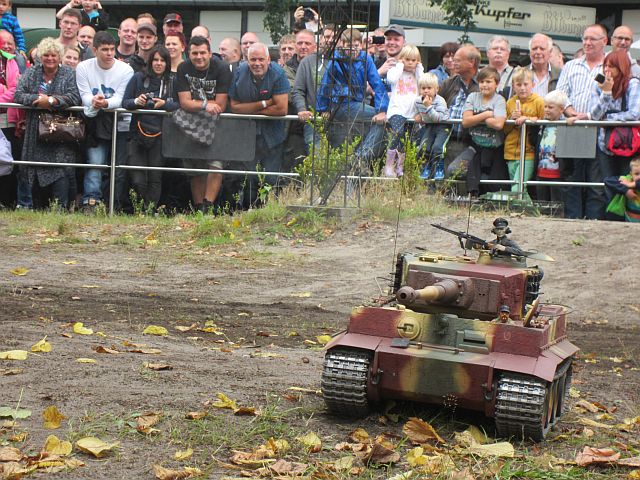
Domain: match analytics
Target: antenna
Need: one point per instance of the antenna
(468, 222)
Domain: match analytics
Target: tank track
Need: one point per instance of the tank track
(527, 407)
(344, 381)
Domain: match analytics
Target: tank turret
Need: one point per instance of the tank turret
(444, 291)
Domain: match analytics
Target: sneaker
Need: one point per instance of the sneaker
(439, 175)
(426, 172)
(89, 207)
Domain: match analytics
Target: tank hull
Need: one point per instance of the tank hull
(443, 359)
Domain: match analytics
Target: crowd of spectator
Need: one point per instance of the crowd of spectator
(375, 86)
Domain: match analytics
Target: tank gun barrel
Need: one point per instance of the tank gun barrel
(444, 291)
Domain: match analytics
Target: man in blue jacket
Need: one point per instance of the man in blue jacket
(342, 95)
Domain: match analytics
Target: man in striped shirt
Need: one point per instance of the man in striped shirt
(577, 81)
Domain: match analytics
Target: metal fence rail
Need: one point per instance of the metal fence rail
(112, 167)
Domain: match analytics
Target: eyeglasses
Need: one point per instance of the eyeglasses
(622, 39)
(592, 39)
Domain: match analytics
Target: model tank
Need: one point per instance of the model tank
(461, 331)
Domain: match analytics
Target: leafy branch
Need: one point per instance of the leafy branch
(459, 13)
(276, 20)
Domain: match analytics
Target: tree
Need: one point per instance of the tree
(276, 21)
(459, 13)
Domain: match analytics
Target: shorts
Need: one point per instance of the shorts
(201, 163)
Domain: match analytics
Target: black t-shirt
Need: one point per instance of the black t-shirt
(204, 84)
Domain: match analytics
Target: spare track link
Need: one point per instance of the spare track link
(523, 402)
(344, 381)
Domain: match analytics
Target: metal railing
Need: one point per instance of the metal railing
(112, 166)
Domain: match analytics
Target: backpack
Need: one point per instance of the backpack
(623, 141)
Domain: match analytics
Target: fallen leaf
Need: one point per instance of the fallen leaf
(582, 403)
(11, 371)
(19, 437)
(52, 418)
(311, 441)
(146, 351)
(195, 415)
(146, 421)
(590, 455)
(630, 462)
(245, 411)
(323, 339)
(587, 422)
(419, 431)
(574, 392)
(344, 463)
(379, 454)
(95, 446)
(80, 329)
(182, 328)
(70, 262)
(54, 446)
(500, 449)
(155, 330)
(181, 455)
(635, 475)
(85, 360)
(301, 294)
(14, 355)
(162, 473)
(225, 402)
(10, 454)
(416, 458)
(157, 366)
(42, 346)
(360, 435)
(20, 271)
(15, 413)
(13, 471)
(471, 436)
(102, 349)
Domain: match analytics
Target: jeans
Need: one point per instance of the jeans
(348, 115)
(612, 165)
(101, 155)
(432, 140)
(309, 134)
(584, 202)
(147, 183)
(24, 195)
(270, 160)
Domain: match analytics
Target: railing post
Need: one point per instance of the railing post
(112, 170)
(523, 155)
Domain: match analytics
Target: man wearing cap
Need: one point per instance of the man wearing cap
(394, 41)
(146, 38)
(172, 23)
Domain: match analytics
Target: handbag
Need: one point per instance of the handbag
(622, 141)
(60, 128)
(198, 126)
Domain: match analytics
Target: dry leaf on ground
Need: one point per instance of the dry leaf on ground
(52, 418)
(500, 449)
(224, 402)
(54, 446)
(102, 349)
(14, 355)
(86, 360)
(183, 454)
(378, 454)
(10, 454)
(311, 441)
(157, 366)
(80, 329)
(162, 473)
(146, 421)
(360, 435)
(195, 415)
(20, 271)
(155, 330)
(41, 346)
(590, 455)
(95, 446)
(419, 431)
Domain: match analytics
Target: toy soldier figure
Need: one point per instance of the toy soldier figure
(502, 246)
(503, 314)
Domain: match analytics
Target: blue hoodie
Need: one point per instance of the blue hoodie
(335, 83)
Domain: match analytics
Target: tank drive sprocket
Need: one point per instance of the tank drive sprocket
(527, 407)
(344, 381)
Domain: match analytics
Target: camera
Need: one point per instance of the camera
(309, 16)
(377, 40)
(149, 103)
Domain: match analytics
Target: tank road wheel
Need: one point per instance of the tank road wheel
(527, 406)
(345, 376)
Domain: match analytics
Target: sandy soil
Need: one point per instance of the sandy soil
(307, 288)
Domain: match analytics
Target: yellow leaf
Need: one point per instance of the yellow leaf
(183, 454)
(604, 416)
(155, 330)
(236, 223)
(471, 436)
(147, 420)
(587, 422)
(301, 294)
(85, 360)
(635, 474)
(323, 339)
(195, 415)
(54, 446)
(95, 446)
(360, 435)
(344, 463)
(80, 329)
(52, 418)
(14, 355)
(20, 271)
(162, 473)
(419, 431)
(311, 441)
(415, 457)
(291, 222)
(225, 402)
(574, 392)
(70, 262)
(212, 330)
(500, 449)
(42, 346)
(293, 334)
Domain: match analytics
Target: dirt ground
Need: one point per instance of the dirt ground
(265, 301)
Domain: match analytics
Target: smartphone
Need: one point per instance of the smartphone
(600, 78)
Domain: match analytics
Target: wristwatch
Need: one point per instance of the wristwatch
(51, 101)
